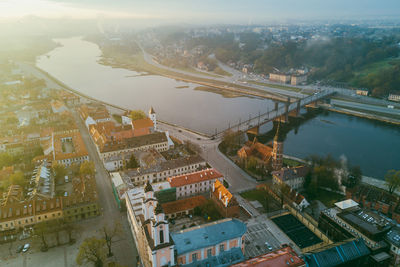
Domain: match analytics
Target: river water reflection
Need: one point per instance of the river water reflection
(372, 145)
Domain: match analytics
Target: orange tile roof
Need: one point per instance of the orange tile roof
(57, 104)
(79, 146)
(141, 131)
(142, 123)
(225, 194)
(194, 177)
(183, 204)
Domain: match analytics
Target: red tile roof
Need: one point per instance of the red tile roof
(183, 204)
(194, 177)
(284, 257)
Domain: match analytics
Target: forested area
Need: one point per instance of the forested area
(336, 59)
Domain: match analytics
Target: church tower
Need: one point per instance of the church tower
(157, 227)
(153, 118)
(277, 150)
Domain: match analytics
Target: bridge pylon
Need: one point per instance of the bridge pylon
(254, 130)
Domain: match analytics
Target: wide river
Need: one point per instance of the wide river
(374, 146)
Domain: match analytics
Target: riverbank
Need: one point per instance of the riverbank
(362, 114)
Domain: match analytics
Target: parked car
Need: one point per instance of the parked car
(268, 246)
(20, 248)
(26, 247)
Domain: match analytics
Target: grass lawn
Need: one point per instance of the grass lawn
(255, 194)
(220, 71)
(117, 118)
(261, 196)
(292, 162)
(328, 198)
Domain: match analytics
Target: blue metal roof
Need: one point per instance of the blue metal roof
(207, 235)
(338, 255)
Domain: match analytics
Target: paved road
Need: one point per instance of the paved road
(367, 107)
(238, 180)
(126, 252)
(149, 59)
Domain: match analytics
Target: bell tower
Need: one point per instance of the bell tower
(277, 150)
(153, 118)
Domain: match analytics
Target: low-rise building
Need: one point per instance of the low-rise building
(280, 77)
(142, 126)
(283, 257)
(195, 183)
(58, 107)
(156, 140)
(393, 238)
(226, 203)
(348, 219)
(69, 148)
(298, 79)
(293, 177)
(363, 92)
(182, 207)
(394, 97)
(94, 113)
(354, 253)
(160, 172)
(220, 243)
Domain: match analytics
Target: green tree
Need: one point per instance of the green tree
(354, 177)
(137, 115)
(252, 163)
(392, 179)
(17, 178)
(132, 163)
(92, 250)
(59, 172)
(5, 160)
(87, 168)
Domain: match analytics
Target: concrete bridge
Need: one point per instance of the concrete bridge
(280, 112)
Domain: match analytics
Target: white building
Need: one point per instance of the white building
(195, 183)
(153, 118)
(162, 171)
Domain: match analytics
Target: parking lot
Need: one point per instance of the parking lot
(255, 239)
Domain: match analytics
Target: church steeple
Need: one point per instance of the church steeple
(278, 135)
(277, 149)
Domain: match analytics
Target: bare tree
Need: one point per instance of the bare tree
(92, 250)
(110, 233)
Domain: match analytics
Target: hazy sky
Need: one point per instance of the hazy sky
(226, 11)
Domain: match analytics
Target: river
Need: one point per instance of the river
(75, 63)
(374, 146)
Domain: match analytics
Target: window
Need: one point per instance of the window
(221, 247)
(209, 253)
(194, 257)
(161, 236)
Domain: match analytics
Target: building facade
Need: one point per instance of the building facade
(150, 230)
(220, 243)
(226, 203)
(195, 183)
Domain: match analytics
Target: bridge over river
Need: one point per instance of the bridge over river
(281, 112)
